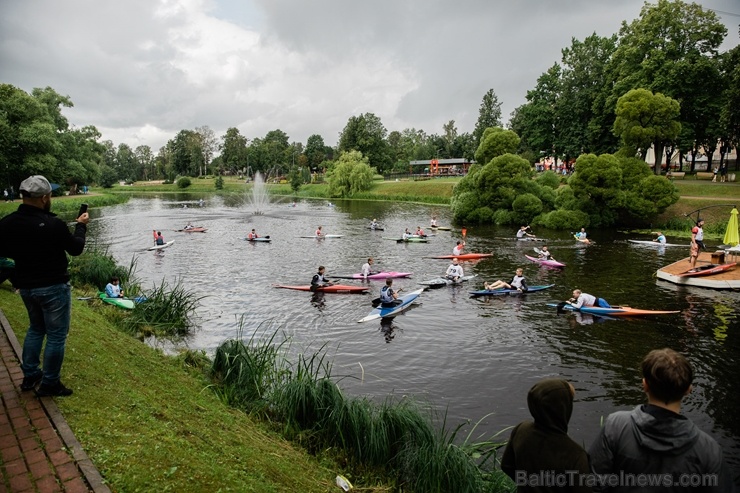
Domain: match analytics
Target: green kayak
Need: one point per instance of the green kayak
(125, 303)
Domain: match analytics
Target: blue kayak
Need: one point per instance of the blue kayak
(615, 311)
(381, 312)
(496, 292)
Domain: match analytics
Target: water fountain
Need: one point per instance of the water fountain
(260, 200)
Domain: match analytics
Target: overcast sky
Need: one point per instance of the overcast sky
(142, 70)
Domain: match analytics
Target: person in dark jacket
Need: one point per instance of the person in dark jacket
(39, 242)
(654, 442)
(540, 456)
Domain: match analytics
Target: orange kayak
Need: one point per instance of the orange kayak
(465, 256)
(334, 288)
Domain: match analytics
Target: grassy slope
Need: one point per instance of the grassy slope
(149, 425)
(696, 194)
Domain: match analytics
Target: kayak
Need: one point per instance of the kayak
(496, 292)
(387, 312)
(526, 238)
(376, 275)
(159, 247)
(321, 237)
(263, 239)
(125, 303)
(441, 228)
(412, 239)
(657, 244)
(335, 288)
(464, 256)
(192, 230)
(548, 263)
(438, 282)
(708, 270)
(376, 228)
(615, 311)
(583, 240)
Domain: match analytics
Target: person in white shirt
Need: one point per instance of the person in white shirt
(661, 237)
(433, 222)
(523, 232)
(454, 271)
(113, 289)
(407, 234)
(580, 299)
(366, 268)
(518, 282)
(545, 254)
(458, 248)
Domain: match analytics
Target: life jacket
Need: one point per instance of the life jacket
(386, 294)
(160, 240)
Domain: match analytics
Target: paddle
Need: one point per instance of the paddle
(537, 251)
(561, 305)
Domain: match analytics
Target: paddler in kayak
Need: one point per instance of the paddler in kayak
(420, 232)
(318, 280)
(454, 271)
(517, 282)
(158, 238)
(407, 234)
(188, 226)
(660, 238)
(433, 222)
(374, 224)
(522, 233)
(582, 236)
(544, 254)
(112, 289)
(319, 233)
(458, 248)
(580, 299)
(388, 297)
(367, 268)
(252, 235)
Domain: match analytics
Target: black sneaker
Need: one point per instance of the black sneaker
(56, 390)
(29, 383)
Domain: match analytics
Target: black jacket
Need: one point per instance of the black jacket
(541, 450)
(655, 441)
(39, 241)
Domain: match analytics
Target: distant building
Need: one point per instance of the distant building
(440, 167)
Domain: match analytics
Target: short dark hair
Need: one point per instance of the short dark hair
(389, 281)
(668, 374)
(113, 279)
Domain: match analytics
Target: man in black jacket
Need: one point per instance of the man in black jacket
(38, 241)
(653, 447)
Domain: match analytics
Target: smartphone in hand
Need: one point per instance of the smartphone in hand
(83, 209)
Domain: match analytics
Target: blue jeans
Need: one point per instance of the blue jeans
(49, 310)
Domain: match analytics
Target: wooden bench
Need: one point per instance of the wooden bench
(704, 175)
(676, 174)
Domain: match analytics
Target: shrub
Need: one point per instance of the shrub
(549, 179)
(526, 207)
(219, 183)
(108, 176)
(95, 267)
(183, 182)
(563, 219)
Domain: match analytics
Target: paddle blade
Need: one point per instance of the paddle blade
(464, 232)
(561, 305)
(268, 237)
(376, 302)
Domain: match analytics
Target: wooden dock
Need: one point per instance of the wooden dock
(729, 279)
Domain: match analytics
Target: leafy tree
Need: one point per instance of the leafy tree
(487, 193)
(645, 119)
(295, 178)
(183, 182)
(536, 121)
(489, 114)
(496, 142)
(672, 49)
(366, 134)
(583, 78)
(108, 176)
(234, 150)
(125, 163)
(597, 186)
(350, 174)
(219, 182)
(145, 160)
(315, 150)
(208, 144)
(730, 113)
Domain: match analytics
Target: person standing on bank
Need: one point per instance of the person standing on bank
(39, 242)
(655, 439)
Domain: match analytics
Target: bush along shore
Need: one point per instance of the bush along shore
(260, 417)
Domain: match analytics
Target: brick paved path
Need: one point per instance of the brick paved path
(38, 451)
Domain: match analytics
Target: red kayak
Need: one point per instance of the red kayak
(708, 270)
(335, 288)
(465, 256)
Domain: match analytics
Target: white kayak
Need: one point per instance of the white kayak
(387, 312)
(657, 244)
(322, 236)
(438, 282)
(159, 247)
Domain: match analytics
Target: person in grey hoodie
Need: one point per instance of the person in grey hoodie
(540, 456)
(653, 447)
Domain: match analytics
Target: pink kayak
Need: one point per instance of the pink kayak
(548, 263)
(377, 275)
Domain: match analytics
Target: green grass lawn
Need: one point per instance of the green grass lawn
(150, 424)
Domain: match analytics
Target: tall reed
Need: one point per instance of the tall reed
(167, 312)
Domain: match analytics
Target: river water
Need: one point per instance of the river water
(471, 357)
